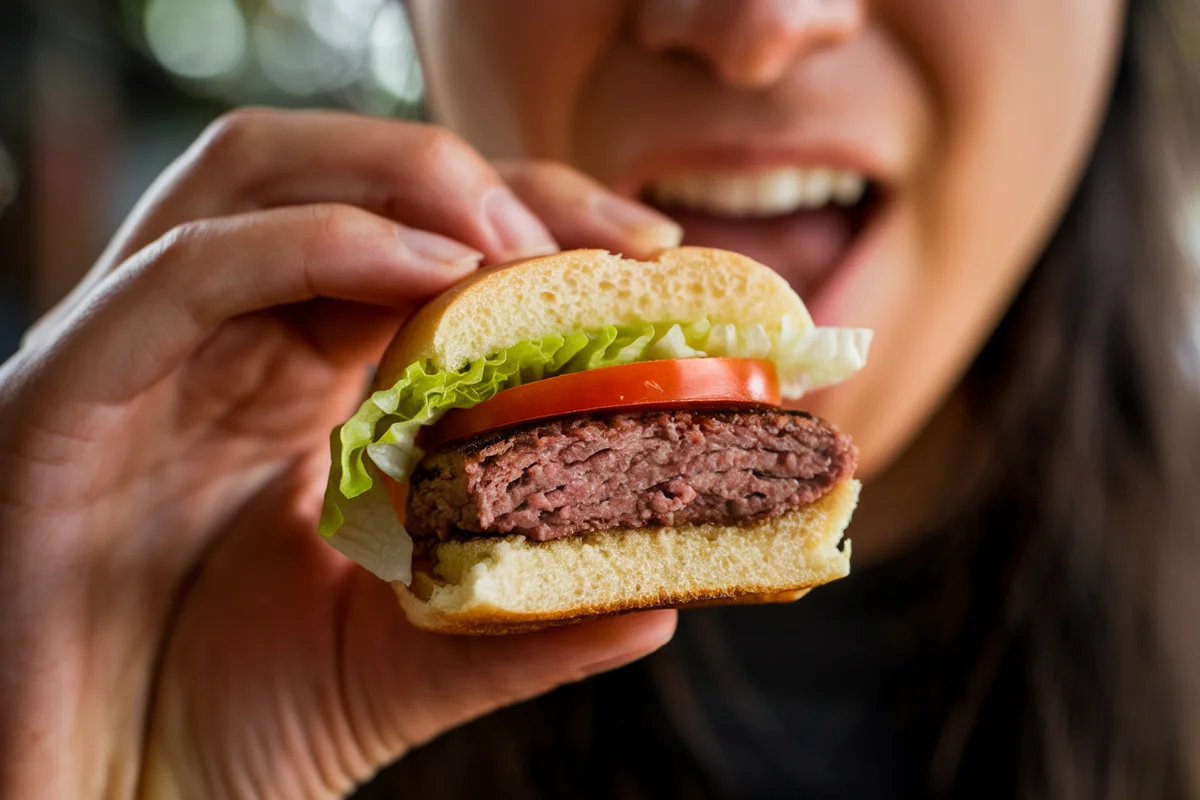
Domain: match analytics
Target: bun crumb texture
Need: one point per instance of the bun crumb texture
(499, 585)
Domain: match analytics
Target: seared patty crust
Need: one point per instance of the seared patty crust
(572, 476)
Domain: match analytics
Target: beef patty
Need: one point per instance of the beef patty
(564, 477)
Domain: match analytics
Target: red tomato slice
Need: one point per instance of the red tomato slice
(676, 383)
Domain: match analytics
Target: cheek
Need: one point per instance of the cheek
(506, 84)
(1021, 88)
(1018, 89)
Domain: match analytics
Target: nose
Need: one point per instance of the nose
(748, 43)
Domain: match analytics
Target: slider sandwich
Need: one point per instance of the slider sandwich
(580, 434)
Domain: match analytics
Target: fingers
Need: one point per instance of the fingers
(421, 175)
(250, 160)
(475, 675)
(152, 312)
(581, 212)
(404, 686)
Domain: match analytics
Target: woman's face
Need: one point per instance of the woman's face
(756, 123)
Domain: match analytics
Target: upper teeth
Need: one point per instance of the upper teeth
(767, 193)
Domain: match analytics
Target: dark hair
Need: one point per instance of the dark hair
(1090, 515)
(1072, 563)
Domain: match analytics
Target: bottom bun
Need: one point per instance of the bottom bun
(510, 585)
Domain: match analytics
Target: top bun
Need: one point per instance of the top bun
(504, 305)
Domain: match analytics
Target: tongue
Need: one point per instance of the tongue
(804, 247)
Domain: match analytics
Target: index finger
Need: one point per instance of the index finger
(251, 160)
(153, 311)
(418, 174)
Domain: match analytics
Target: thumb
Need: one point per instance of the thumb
(406, 686)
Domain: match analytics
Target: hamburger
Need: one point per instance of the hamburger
(581, 434)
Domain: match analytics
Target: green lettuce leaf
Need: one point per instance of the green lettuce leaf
(357, 515)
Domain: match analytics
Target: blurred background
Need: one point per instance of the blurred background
(98, 96)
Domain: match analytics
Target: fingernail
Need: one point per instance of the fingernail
(645, 226)
(517, 232)
(439, 251)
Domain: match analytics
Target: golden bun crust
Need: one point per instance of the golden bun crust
(790, 596)
(511, 585)
(507, 585)
(586, 289)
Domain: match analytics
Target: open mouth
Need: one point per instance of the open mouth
(800, 221)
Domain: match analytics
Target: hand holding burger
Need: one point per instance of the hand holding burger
(173, 626)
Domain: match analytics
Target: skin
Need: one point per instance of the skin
(171, 626)
(975, 117)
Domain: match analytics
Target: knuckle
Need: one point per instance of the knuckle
(547, 178)
(556, 171)
(334, 225)
(174, 269)
(179, 243)
(526, 171)
(440, 149)
(231, 133)
(328, 231)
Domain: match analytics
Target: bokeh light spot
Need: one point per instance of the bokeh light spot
(393, 55)
(295, 59)
(196, 39)
(344, 24)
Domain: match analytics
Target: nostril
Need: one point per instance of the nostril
(748, 43)
(754, 69)
(750, 72)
